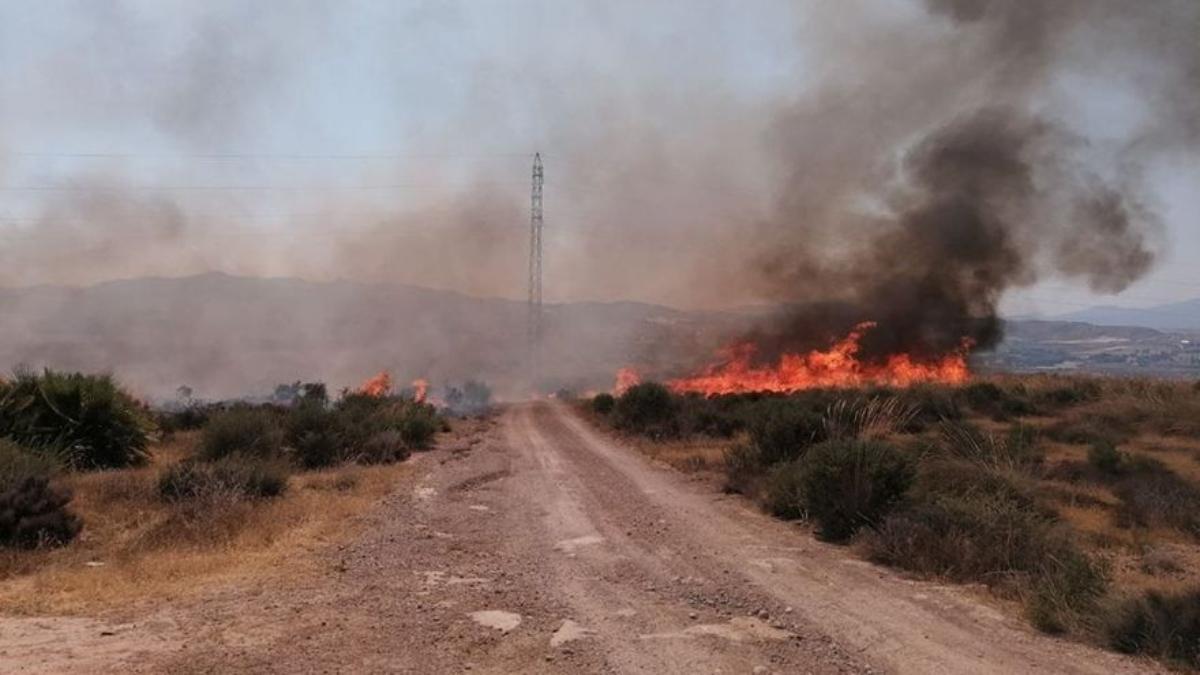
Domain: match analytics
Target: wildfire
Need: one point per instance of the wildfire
(626, 378)
(420, 388)
(378, 385)
(837, 366)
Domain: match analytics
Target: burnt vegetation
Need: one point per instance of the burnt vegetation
(1057, 492)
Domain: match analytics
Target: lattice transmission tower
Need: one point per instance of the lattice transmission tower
(535, 263)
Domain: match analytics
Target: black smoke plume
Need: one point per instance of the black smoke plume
(979, 199)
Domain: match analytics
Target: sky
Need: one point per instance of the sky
(391, 141)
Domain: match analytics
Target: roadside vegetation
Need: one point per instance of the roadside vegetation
(1077, 498)
(102, 497)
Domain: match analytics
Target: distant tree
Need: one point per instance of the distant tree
(477, 395)
(314, 392)
(184, 393)
(289, 394)
(286, 393)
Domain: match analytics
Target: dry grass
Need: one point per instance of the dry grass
(136, 547)
(689, 456)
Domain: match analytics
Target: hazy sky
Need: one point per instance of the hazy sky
(390, 140)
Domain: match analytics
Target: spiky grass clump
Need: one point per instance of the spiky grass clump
(87, 421)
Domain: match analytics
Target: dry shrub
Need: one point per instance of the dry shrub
(743, 469)
(784, 495)
(210, 520)
(873, 418)
(999, 403)
(1017, 450)
(975, 516)
(245, 431)
(120, 485)
(342, 480)
(1161, 562)
(33, 513)
(931, 404)
(231, 478)
(1163, 625)
(383, 447)
(1153, 495)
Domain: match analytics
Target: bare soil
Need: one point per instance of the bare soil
(542, 546)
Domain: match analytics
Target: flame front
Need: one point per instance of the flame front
(838, 366)
(626, 378)
(378, 385)
(420, 389)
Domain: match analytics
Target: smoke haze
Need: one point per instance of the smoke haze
(910, 163)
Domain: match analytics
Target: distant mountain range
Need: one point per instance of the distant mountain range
(1177, 316)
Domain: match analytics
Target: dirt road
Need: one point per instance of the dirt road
(543, 546)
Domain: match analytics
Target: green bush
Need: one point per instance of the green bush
(1105, 458)
(311, 432)
(32, 512)
(383, 447)
(970, 523)
(1070, 393)
(245, 431)
(989, 398)
(849, 484)
(18, 463)
(231, 477)
(931, 404)
(361, 419)
(647, 408)
(602, 404)
(782, 430)
(784, 493)
(87, 420)
(417, 429)
(743, 469)
(1162, 625)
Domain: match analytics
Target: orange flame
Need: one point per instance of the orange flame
(420, 388)
(837, 366)
(378, 385)
(626, 378)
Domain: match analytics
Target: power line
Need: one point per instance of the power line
(258, 156)
(214, 188)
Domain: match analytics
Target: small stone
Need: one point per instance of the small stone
(693, 616)
(787, 610)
